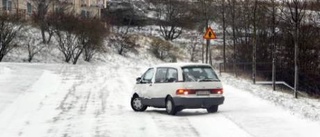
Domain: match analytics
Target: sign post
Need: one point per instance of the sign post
(208, 36)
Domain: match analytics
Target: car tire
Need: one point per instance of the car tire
(212, 109)
(170, 106)
(136, 104)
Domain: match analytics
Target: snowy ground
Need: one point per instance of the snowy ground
(303, 107)
(60, 100)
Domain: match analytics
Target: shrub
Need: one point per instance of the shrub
(164, 50)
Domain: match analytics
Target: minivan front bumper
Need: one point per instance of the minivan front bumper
(198, 102)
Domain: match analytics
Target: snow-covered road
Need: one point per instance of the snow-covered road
(41, 100)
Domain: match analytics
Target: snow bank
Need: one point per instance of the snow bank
(303, 107)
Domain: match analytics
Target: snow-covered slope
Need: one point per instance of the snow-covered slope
(94, 100)
(302, 107)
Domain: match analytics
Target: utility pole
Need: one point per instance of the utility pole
(208, 41)
(254, 49)
(204, 7)
(233, 16)
(296, 52)
(224, 35)
(274, 46)
(207, 50)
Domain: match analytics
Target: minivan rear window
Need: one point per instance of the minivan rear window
(199, 73)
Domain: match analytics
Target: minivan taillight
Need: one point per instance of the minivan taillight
(217, 91)
(185, 92)
(189, 91)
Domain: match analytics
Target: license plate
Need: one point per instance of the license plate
(203, 93)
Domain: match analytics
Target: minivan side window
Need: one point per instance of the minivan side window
(172, 75)
(161, 75)
(166, 75)
(147, 77)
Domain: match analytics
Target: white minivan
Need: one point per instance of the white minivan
(177, 86)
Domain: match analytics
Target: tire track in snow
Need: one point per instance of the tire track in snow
(72, 104)
(119, 119)
(84, 106)
(87, 99)
(174, 125)
(238, 124)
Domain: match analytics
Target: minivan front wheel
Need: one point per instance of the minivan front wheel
(136, 104)
(170, 106)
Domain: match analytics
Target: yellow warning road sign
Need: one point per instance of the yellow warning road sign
(209, 34)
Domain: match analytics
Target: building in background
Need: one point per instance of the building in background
(90, 8)
(84, 8)
(13, 7)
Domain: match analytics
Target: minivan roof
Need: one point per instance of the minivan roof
(181, 64)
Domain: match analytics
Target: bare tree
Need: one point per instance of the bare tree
(10, 27)
(297, 12)
(39, 16)
(173, 16)
(164, 50)
(34, 47)
(124, 44)
(232, 8)
(67, 44)
(193, 49)
(76, 35)
(274, 24)
(122, 20)
(193, 45)
(92, 33)
(65, 28)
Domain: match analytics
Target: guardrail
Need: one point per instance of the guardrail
(277, 83)
(280, 83)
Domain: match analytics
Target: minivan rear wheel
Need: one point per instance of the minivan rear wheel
(212, 109)
(170, 106)
(136, 104)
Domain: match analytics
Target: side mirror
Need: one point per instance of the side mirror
(138, 79)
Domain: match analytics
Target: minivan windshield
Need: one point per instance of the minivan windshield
(199, 73)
